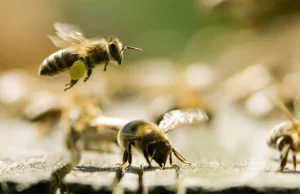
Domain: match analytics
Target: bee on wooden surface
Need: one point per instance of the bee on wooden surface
(285, 137)
(79, 54)
(44, 109)
(151, 139)
(88, 129)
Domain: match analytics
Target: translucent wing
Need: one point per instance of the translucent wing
(58, 42)
(69, 33)
(176, 117)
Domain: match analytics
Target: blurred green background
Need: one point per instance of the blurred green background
(161, 28)
(183, 31)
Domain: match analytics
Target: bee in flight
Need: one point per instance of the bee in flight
(151, 139)
(79, 54)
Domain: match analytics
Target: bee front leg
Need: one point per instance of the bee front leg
(294, 161)
(71, 84)
(89, 73)
(146, 155)
(105, 66)
(106, 60)
(129, 156)
(171, 162)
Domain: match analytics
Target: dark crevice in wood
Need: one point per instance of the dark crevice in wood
(244, 190)
(161, 190)
(141, 187)
(14, 188)
(77, 188)
(131, 169)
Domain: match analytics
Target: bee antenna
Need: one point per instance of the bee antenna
(284, 109)
(131, 47)
(152, 156)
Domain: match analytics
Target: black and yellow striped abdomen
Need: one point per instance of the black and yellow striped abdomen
(58, 62)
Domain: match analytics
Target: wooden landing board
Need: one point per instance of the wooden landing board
(229, 156)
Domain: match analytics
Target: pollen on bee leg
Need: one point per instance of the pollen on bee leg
(77, 70)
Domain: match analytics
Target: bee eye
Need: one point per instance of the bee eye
(115, 53)
(113, 48)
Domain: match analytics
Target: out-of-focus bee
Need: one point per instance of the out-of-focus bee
(88, 129)
(44, 109)
(151, 139)
(285, 137)
(80, 54)
(184, 98)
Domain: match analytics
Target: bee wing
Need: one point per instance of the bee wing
(58, 42)
(69, 33)
(174, 118)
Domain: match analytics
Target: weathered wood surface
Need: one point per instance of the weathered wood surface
(228, 156)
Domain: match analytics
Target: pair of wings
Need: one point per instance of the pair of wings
(67, 35)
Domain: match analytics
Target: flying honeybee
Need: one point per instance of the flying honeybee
(79, 54)
(151, 139)
(285, 137)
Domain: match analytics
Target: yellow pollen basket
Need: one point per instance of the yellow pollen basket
(77, 70)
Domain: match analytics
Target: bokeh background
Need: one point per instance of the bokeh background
(228, 57)
(218, 32)
(201, 43)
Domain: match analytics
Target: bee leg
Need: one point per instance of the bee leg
(180, 157)
(89, 73)
(284, 156)
(72, 137)
(105, 66)
(129, 156)
(147, 157)
(171, 162)
(106, 59)
(124, 158)
(294, 161)
(71, 84)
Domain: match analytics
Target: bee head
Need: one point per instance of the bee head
(160, 151)
(116, 49)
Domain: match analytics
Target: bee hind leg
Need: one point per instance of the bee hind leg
(89, 73)
(70, 85)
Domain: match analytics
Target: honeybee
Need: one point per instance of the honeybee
(88, 129)
(44, 109)
(79, 54)
(151, 139)
(285, 137)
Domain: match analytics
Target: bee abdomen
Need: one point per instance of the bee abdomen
(58, 62)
